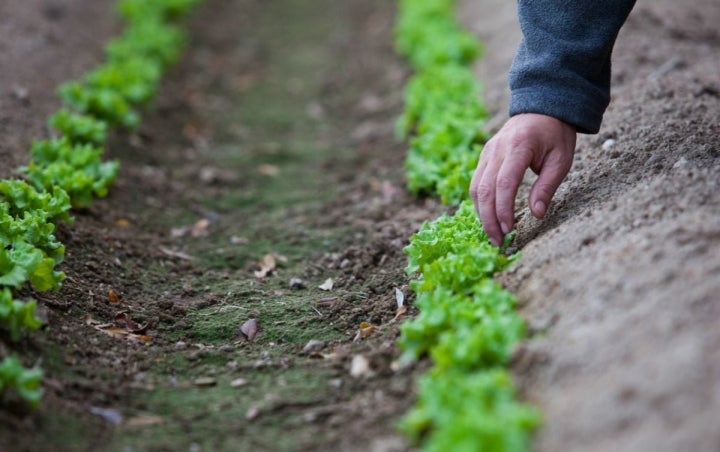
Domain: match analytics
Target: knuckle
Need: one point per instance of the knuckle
(545, 190)
(484, 193)
(505, 183)
(520, 139)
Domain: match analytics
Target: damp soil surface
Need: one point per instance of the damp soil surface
(268, 168)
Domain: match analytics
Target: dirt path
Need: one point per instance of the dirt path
(274, 136)
(621, 280)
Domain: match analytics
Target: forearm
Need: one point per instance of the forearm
(562, 67)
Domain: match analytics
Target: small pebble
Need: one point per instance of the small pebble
(227, 348)
(297, 284)
(180, 345)
(238, 382)
(205, 381)
(608, 144)
(314, 345)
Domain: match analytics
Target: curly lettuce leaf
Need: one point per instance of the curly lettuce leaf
(31, 228)
(17, 315)
(77, 169)
(22, 262)
(470, 412)
(21, 197)
(26, 382)
(102, 103)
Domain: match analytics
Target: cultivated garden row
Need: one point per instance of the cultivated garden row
(67, 170)
(467, 323)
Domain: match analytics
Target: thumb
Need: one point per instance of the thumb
(553, 171)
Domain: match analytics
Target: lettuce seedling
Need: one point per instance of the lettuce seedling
(135, 79)
(470, 412)
(26, 382)
(463, 331)
(17, 315)
(103, 103)
(133, 10)
(430, 93)
(428, 35)
(78, 128)
(21, 198)
(149, 38)
(31, 228)
(447, 234)
(77, 169)
(22, 262)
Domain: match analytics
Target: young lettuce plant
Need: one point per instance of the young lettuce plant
(17, 315)
(26, 382)
(77, 169)
(78, 128)
(102, 103)
(470, 412)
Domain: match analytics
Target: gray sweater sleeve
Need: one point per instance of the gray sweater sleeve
(562, 67)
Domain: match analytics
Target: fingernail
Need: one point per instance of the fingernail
(540, 208)
(505, 228)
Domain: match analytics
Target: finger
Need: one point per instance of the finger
(477, 176)
(479, 172)
(553, 171)
(485, 205)
(508, 180)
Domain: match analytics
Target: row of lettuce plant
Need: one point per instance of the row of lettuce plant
(67, 170)
(467, 323)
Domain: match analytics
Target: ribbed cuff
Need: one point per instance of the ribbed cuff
(575, 108)
(572, 107)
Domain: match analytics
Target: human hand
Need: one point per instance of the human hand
(529, 140)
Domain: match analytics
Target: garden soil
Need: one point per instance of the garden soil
(268, 167)
(621, 281)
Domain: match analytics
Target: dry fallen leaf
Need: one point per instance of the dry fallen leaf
(364, 331)
(399, 298)
(268, 170)
(116, 331)
(122, 223)
(401, 308)
(200, 229)
(177, 254)
(267, 264)
(110, 415)
(123, 333)
(123, 319)
(113, 297)
(144, 421)
(329, 301)
(327, 285)
(400, 312)
(249, 329)
(178, 232)
(237, 240)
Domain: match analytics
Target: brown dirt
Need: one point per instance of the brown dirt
(42, 44)
(621, 279)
